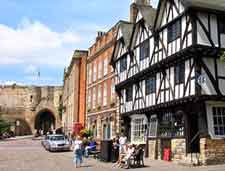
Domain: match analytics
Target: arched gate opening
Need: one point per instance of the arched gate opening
(45, 121)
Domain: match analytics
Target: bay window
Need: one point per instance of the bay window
(219, 120)
(171, 125)
(138, 128)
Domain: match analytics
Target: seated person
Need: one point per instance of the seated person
(129, 153)
(91, 147)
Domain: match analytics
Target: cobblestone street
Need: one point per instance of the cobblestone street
(29, 155)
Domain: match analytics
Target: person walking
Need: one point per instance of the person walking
(78, 160)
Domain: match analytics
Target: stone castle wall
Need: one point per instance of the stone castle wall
(22, 103)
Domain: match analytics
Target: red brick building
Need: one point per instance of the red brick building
(102, 115)
(74, 93)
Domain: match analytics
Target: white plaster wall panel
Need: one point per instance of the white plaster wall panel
(170, 15)
(222, 39)
(192, 87)
(210, 64)
(157, 82)
(167, 96)
(201, 36)
(175, 14)
(176, 91)
(207, 88)
(214, 29)
(187, 69)
(181, 91)
(172, 81)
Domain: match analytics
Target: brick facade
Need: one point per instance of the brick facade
(74, 91)
(101, 97)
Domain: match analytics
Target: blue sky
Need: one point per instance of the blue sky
(40, 36)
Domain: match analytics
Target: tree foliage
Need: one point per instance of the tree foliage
(4, 126)
(86, 133)
(223, 55)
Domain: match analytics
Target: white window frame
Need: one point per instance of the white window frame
(95, 73)
(105, 94)
(100, 70)
(105, 66)
(150, 126)
(90, 74)
(99, 95)
(112, 90)
(89, 99)
(138, 139)
(94, 97)
(209, 108)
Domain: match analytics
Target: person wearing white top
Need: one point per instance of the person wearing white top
(122, 142)
(78, 152)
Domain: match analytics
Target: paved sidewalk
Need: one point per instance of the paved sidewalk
(18, 138)
(28, 155)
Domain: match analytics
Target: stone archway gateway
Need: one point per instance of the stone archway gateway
(45, 120)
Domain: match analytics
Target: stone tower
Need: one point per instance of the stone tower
(134, 9)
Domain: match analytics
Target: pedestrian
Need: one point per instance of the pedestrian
(78, 160)
(122, 142)
(115, 150)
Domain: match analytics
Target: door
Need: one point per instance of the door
(193, 139)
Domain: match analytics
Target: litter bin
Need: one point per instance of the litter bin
(106, 150)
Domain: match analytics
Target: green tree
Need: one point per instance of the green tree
(4, 126)
(223, 55)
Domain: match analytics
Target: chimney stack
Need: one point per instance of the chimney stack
(134, 8)
(99, 35)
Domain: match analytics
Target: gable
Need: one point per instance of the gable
(119, 34)
(139, 17)
(167, 11)
(141, 33)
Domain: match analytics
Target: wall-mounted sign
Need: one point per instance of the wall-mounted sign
(201, 79)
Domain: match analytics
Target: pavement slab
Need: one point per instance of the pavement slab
(29, 155)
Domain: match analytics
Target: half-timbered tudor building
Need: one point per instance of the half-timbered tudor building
(171, 80)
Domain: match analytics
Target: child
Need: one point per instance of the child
(78, 152)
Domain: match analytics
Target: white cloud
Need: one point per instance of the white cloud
(34, 42)
(11, 82)
(31, 69)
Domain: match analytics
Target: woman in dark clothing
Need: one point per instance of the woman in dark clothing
(115, 150)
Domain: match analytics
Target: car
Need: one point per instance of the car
(55, 143)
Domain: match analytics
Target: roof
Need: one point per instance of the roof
(209, 4)
(126, 29)
(148, 13)
(217, 5)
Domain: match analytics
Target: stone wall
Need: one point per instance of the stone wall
(152, 145)
(23, 103)
(212, 151)
(178, 149)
